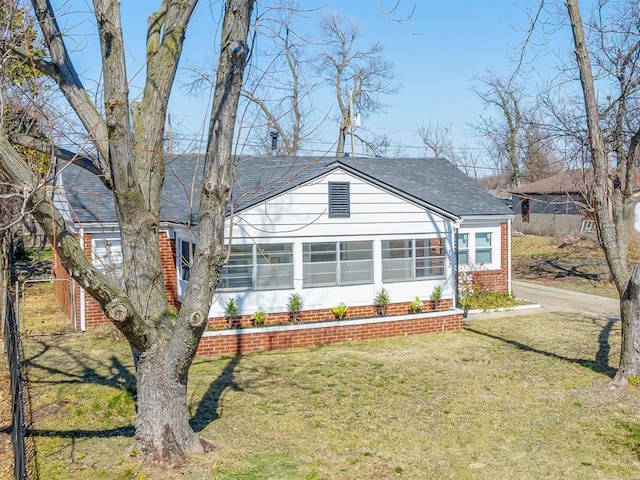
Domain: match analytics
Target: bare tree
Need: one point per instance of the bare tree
(614, 153)
(359, 76)
(436, 138)
(128, 141)
(283, 89)
(502, 133)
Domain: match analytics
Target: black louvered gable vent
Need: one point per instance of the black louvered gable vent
(339, 203)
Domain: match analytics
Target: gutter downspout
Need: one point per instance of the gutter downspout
(456, 227)
(509, 280)
(83, 319)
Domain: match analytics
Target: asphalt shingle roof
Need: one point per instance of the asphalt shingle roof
(431, 182)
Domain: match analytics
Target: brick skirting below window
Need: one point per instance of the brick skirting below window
(236, 341)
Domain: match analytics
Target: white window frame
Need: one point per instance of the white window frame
(108, 257)
(338, 268)
(413, 260)
(473, 247)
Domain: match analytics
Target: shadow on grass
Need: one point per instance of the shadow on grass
(599, 365)
(120, 375)
(207, 410)
(128, 431)
(556, 267)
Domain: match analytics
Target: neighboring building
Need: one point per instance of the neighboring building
(332, 229)
(554, 206)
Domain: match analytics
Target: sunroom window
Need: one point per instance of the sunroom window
(404, 260)
(238, 271)
(274, 266)
(337, 263)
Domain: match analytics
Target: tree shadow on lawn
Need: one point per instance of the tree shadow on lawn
(122, 378)
(207, 410)
(599, 365)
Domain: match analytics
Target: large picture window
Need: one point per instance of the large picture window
(337, 263)
(404, 260)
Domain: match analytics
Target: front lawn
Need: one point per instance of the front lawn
(510, 398)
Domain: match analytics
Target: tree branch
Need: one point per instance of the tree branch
(63, 154)
(67, 78)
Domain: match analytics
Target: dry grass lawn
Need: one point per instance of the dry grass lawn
(522, 397)
(579, 267)
(511, 398)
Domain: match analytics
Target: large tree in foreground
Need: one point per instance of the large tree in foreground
(128, 155)
(614, 156)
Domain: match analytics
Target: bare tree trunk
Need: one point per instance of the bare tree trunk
(609, 212)
(163, 433)
(630, 317)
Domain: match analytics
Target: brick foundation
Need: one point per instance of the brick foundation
(238, 341)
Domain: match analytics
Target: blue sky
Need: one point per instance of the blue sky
(437, 54)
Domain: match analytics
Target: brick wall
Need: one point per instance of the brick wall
(496, 280)
(230, 342)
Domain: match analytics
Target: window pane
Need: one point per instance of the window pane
(360, 271)
(318, 252)
(275, 254)
(397, 269)
(238, 272)
(483, 255)
(483, 248)
(430, 267)
(274, 276)
(463, 241)
(463, 257)
(396, 249)
(483, 240)
(319, 264)
(107, 257)
(318, 274)
(274, 266)
(356, 251)
(356, 262)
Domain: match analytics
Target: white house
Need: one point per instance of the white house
(331, 229)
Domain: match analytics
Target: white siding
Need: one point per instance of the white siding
(303, 212)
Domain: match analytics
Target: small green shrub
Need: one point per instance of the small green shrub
(231, 311)
(340, 311)
(382, 300)
(295, 303)
(231, 308)
(416, 305)
(260, 317)
(436, 295)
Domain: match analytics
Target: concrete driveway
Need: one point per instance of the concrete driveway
(558, 300)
